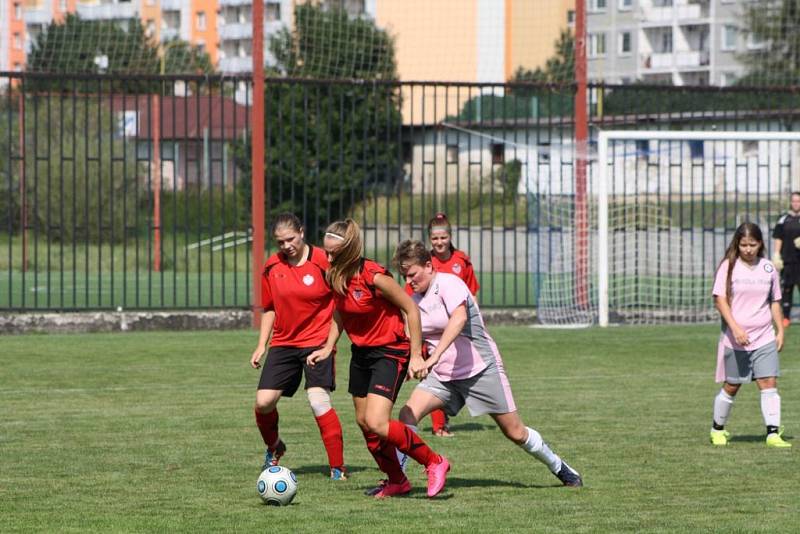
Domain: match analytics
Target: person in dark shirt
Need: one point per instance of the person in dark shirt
(786, 253)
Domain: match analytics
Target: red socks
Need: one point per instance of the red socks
(410, 443)
(438, 420)
(268, 426)
(331, 431)
(385, 456)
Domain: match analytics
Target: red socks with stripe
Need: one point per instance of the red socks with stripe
(408, 442)
(438, 420)
(330, 429)
(385, 456)
(268, 426)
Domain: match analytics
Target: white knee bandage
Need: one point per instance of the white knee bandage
(320, 401)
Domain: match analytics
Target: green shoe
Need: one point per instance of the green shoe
(720, 437)
(776, 440)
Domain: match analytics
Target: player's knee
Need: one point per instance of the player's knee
(407, 416)
(731, 389)
(320, 401)
(266, 403)
(377, 424)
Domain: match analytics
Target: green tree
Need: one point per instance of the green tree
(328, 146)
(777, 62)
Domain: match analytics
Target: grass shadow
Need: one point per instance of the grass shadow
(325, 470)
(456, 482)
(465, 427)
(755, 438)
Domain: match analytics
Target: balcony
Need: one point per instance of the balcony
(223, 3)
(665, 16)
(126, 10)
(665, 61)
(37, 15)
(236, 64)
(236, 31)
(168, 34)
(171, 5)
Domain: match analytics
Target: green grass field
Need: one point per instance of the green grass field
(154, 432)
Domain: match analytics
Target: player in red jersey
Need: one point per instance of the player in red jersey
(370, 306)
(446, 258)
(298, 314)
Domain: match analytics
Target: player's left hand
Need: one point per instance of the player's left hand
(317, 356)
(779, 340)
(796, 242)
(417, 367)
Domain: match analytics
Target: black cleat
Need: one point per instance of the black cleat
(568, 476)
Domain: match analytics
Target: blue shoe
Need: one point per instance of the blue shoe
(273, 456)
(568, 476)
(338, 473)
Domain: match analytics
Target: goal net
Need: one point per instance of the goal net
(662, 208)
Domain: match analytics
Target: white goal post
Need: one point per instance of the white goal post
(788, 167)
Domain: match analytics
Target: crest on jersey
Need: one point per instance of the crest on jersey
(308, 279)
(357, 294)
(457, 268)
(769, 268)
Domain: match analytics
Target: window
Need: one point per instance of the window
(62, 5)
(272, 11)
(729, 34)
(625, 5)
(624, 43)
(18, 67)
(571, 17)
(201, 20)
(597, 5)
(18, 11)
(452, 153)
(666, 42)
(755, 42)
(597, 44)
(727, 78)
(696, 149)
(498, 153)
(17, 41)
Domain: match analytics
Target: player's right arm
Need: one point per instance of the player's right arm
(333, 336)
(267, 321)
(727, 315)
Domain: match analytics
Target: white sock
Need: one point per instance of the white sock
(403, 457)
(771, 407)
(722, 407)
(536, 447)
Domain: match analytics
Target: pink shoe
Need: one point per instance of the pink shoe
(437, 476)
(390, 489)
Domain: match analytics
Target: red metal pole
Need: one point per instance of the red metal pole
(257, 156)
(581, 153)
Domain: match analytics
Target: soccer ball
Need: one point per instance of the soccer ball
(277, 486)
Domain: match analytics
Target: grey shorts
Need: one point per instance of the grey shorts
(488, 392)
(742, 366)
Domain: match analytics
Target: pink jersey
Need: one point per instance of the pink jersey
(754, 288)
(474, 349)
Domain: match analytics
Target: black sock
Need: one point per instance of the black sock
(715, 426)
(772, 429)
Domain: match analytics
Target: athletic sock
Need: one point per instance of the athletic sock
(385, 456)
(771, 408)
(403, 457)
(330, 428)
(536, 447)
(409, 442)
(268, 426)
(438, 420)
(722, 409)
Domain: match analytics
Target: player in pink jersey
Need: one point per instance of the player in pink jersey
(747, 294)
(465, 365)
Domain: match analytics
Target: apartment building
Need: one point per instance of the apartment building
(678, 42)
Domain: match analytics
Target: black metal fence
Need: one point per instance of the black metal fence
(135, 192)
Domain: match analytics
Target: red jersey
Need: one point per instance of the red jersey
(459, 265)
(368, 318)
(301, 298)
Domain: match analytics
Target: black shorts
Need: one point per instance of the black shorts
(790, 275)
(285, 366)
(377, 370)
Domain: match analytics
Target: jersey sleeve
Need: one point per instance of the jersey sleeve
(469, 276)
(453, 292)
(721, 280)
(775, 288)
(777, 232)
(266, 293)
(369, 271)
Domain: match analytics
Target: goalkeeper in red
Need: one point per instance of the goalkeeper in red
(786, 253)
(297, 322)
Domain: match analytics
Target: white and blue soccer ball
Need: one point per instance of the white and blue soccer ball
(277, 485)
